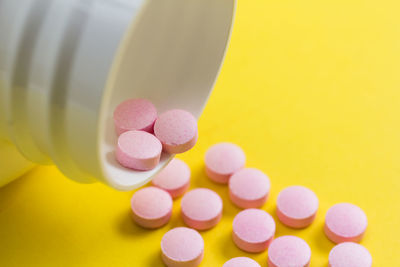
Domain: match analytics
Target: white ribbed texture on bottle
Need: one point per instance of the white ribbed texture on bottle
(66, 64)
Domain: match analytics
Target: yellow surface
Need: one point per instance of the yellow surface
(310, 90)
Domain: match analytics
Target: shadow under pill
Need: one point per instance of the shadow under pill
(176, 222)
(128, 228)
(324, 244)
(200, 179)
(282, 229)
(155, 260)
(229, 249)
(10, 191)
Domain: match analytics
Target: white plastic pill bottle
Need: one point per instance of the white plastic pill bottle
(66, 64)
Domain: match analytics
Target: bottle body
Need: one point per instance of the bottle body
(65, 65)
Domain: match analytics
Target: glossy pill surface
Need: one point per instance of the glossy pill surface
(249, 188)
(345, 222)
(349, 254)
(135, 114)
(253, 230)
(289, 251)
(201, 208)
(138, 150)
(296, 206)
(151, 207)
(177, 131)
(182, 247)
(241, 262)
(222, 160)
(174, 178)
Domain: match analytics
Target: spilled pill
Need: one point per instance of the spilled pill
(222, 160)
(201, 208)
(345, 222)
(151, 207)
(289, 251)
(174, 178)
(253, 230)
(135, 114)
(182, 247)
(349, 254)
(241, 262)
(177, 130)
(138, 150)
(249, 188)
(297, 206)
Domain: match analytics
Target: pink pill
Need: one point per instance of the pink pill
(349, 254)
(289, 251)
(151, 207)
(345, 222)
(241, 262)
(135, 114)
(201, 208)
(177, 131)
(138, 150)
(297, 206)
(249, 188)
(222, 160)
(174, 178)
(253, 230)
(182, 247)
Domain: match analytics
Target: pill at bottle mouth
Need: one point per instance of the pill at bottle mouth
(296, 206)
(174, 178)
(201, 208)
(151, 207)
(177, 130)
(249, 188)
(241, 262)
(253, 230)
(138, 150)
(287, 251)
(135, 114)
(182, 247)
(345, 222)
(222, 160)
(349, 254)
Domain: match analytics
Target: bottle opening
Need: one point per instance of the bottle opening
(171, 55)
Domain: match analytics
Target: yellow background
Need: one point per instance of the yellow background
(310, 90)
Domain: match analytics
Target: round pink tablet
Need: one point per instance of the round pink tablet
(249, 188)
(151, 207)
(182, 247)
(296, 206)
(253, 230)
(241, 262)
(135, 114)
(174, 178)
(138, 150)
(201, 208)
(222, 160)
(345, 222)
(289, 251)
(177, 131)
(349, 254)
